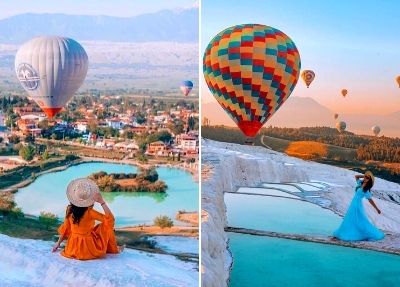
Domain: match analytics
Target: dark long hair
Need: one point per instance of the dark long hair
(368, 186)
(77, 212)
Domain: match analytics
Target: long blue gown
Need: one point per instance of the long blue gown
(355, 225)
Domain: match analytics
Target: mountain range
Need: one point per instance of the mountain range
(307, 112)
(162, 26)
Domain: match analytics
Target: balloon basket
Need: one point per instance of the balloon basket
(249, 141)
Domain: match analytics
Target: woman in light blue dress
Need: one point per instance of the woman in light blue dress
(355, 225)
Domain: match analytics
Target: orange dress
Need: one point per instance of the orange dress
(87, 241)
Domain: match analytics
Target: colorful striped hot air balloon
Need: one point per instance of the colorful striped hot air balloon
(51, 69)
(308, 76)
(186, 87)
(251, 70)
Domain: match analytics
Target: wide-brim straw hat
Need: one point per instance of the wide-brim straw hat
(81, 191)
(368, 173)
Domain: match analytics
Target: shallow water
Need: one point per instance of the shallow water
(264, 261)
(307, 187)
(287, 187)
(47, 193)
(279, 214)
(265, 191)
(177, 244)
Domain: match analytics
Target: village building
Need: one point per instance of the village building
(28, 110)
(28, 127)
(2, 120)
(115, 123)
(4, 134)
(81, 125)
(157, 148)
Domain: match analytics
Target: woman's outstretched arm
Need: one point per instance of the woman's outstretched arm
(358, 176)
(374, 205)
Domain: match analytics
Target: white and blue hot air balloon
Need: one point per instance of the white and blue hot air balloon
(51, 69)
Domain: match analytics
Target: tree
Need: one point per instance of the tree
(163, 221)
(129, 134)
(30, 139)
(177, 127)
(27, 152)
(163, 136)
(45, 155)
(14, 139)
(48, 219)
(44, 125)
(1, 140)
(92, 126)
(191, 123)
(140, 118)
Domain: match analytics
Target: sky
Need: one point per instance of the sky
(349, 44)
(120, 8)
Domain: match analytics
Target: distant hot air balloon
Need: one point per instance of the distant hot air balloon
(51, 69)
(344, 92)
(251, 70)
(376, 130)
(341, 126)
(398, 80)
(308, 76)
(186, 87)
(336, 116)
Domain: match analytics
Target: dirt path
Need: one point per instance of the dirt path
(187, 231)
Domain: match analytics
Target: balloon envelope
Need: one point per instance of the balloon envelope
(341, 126)
(376, 130)
(336, 116)
(186, 87)
(251, 70)
(308, 76)
(398, 80)
(51, 69)
(344, 92)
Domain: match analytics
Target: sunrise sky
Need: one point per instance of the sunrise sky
(349, 44)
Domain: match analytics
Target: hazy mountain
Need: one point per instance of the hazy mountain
(165, 25)
(116, 65)
(301, 112)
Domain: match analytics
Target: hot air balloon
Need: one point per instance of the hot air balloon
(51, 69)
(344, 92)
(376, 130)
(308, 76)
(336, 116)
(341, 126)
(186, 87)
(398, 80)
(251, 70)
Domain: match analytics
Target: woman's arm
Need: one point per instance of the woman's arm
(358, 176)
(374, 205)
(57, 245)
(98, 198)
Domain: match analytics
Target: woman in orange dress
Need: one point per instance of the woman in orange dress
(85, 240)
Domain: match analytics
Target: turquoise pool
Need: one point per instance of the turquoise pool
(279, 214)
(47, 193)
(264, 261)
